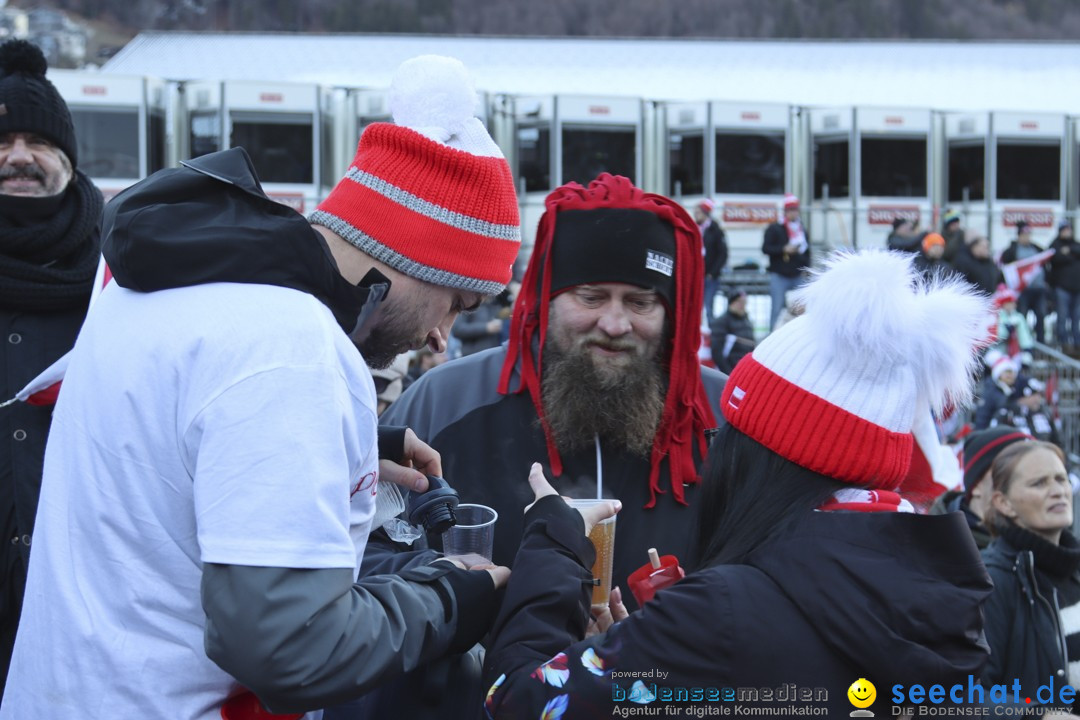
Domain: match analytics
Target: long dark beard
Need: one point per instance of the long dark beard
(623, 406)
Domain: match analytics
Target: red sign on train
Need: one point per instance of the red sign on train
(759, 213)
(885, 214)
(1035, 217)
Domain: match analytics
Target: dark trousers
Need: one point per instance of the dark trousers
(1034, 299)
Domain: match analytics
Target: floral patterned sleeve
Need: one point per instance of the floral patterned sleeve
(539, 666)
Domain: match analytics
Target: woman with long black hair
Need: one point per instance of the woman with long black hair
(813, 572)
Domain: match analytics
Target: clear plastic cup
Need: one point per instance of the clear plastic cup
(474, 535)
(603, 539)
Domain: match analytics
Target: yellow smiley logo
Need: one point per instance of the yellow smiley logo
(862, 693)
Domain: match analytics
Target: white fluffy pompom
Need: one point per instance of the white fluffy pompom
(872, 307)
(432, 91)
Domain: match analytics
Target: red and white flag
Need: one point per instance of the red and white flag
(1020, 274)
(44, 389)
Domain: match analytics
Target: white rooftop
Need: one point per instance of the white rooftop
(954, 75)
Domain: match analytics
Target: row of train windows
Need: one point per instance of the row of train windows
(744, 163)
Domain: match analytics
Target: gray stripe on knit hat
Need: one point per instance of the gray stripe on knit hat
(433, 211)
(396, 260)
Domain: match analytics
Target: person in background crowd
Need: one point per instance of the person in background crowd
(980, 449)
(1034, 296)
(49, 250)
(930, 260)
(1065, 279)
(732, 334)
(804, 544)
(210, 477)
(1034, 562)
(389, 381)
(955, 236)
(716, 253)
(482, 328)
(1013, 332)
(788, 247)
(997, 388)
(904, 236)
(976, 266)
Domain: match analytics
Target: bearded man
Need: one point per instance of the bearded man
(600, 381)
(49, 249)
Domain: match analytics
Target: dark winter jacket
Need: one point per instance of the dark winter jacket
(954, 501)
(954, 244)
(905, 243)
(893, 597)
(488, 442)
(1023, 618)
(732, 338)
(780, 262)
(933, 268)
(716, 250)
(1065, 265)
(984, 274)
(472, 329)
(1009, 256)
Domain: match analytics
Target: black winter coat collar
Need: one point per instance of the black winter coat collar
(209, 221)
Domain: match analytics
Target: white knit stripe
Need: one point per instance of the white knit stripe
(881, 393)
(396, 260)
(1070, 625)
(439, 213)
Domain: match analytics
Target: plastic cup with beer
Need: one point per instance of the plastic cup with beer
(473, 537)
(603, 539)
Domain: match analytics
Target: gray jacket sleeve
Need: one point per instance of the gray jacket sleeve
(304, 639)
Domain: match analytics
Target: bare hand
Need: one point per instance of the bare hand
(591, 515)
(494, 326)
(420, 460)
(500, 574)
(605, 616)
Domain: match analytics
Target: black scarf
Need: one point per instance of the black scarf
(49, 248)
(1060, 562)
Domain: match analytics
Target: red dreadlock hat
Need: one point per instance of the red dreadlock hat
(686, 407)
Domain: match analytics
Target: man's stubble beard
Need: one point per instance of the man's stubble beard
(623, 405)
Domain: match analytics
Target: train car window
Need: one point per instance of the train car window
(534, 157)
(280, 145)
(831, 167)
(155, 141)
(893, 167)
(967, 170)
(588, 152)
(750, 163)
(205, 133)
(686, 163)
(108, 141)
(1028, 171)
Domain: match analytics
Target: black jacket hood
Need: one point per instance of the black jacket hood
(891, 592)
(210, 221)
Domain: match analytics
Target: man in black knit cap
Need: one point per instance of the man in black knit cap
(49, 249)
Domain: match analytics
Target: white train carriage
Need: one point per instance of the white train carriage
(737, 154)
(120, 125)
(279, 124)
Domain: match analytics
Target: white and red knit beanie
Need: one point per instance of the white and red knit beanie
(839, 389)
(431, 194)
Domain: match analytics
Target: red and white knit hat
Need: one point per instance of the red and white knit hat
(431, 195)
(840, 389)
(791, 201)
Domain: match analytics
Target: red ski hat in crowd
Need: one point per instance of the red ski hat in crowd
(676, 279)
(431, 196)
(840, 389)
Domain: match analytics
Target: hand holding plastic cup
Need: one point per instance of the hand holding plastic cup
(602, 537)
(473, 537)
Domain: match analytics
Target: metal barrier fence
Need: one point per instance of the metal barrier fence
(1061, 374)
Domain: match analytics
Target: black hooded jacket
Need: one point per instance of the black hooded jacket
(893, 598)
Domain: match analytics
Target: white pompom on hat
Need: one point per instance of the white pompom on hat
(840, 389)
(430, 195)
